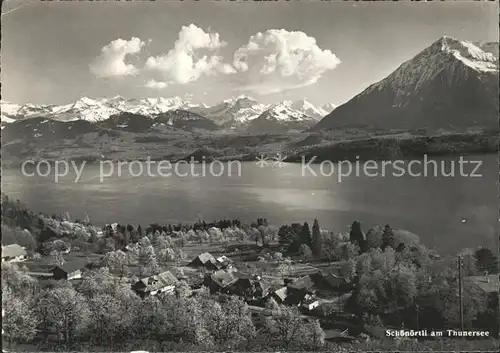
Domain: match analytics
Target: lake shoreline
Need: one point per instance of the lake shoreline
(294, 160)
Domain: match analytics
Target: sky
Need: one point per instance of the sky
(325, 52)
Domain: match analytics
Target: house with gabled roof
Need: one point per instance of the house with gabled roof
(330, 283)
(219, 281)
(249, 286)
(304, 285)
(205, 261)
(69, 270)
(13, 253)
(279, 295)
(161, 283)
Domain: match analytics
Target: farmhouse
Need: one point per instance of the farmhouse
(329, 283)
(248, 286)
(205, 261)
(219, 281)
(161, 283)
(69, 270)
(13, 253)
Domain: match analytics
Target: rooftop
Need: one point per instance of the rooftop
(223, 278)
(305, 282)
(206, 257)
(72, 266)
(489, 284)
(158, 281)
(13, 250)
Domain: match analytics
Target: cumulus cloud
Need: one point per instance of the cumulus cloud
(111, 61)
(278, 60)
(194, 54)
(156, 84)
(270, 62)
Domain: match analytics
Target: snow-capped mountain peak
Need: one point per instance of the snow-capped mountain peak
(468, 53)
(447, 57)
(328, 107)
(309, 109)
(450, 83)
(239, 110)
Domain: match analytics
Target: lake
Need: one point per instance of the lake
(448, 213)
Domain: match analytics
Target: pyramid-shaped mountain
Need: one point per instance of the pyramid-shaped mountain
(450, 84)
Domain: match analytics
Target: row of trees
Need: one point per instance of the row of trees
(102, 311)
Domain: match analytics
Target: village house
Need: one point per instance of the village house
(205, 261)
(306, 290)
(327, 284)
(225, 262)
(161, 283)
(219, 281)
(248, 286)
(302, 286)
(310, 302)
(279, 295)
(68, 270)
(489, 285)
(13, 253)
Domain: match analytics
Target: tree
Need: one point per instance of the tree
(349, 251)
(387, 237)
(19, 320)
(289, 235)
(18, 236)
(152, 320)
(15, 280)
(348, 269)
(264, 235)
(285, 267)
(331, 246)
(117, 261)
(106, 314)
(147, 258)
(474, 302)
(306, 252)
(404, 284)
(311, 336)
(305, 235)
(186, 320)
(289, 330)
(65, 310)
(229, 322)
(486, 260)
(356, 236)
(255, 235)
(317, 239)
(182, 290)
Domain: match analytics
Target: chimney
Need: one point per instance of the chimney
(486, 275)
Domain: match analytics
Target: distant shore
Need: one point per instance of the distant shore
(361, 149)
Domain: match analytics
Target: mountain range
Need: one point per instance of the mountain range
(232, 113)
(450, 85)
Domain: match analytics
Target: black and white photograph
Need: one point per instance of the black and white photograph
(250, 176)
